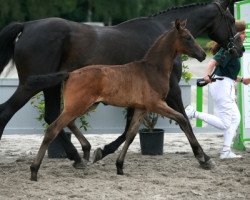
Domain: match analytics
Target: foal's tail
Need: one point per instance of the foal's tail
(44, 81)
(7, 42)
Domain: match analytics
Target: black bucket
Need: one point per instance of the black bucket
(152, 142)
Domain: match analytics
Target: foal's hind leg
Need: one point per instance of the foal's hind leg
(84, 142)
(132, 131)
(163, 109)
(52, 131)
(52, 97)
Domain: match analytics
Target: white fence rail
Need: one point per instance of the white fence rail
(106, 119)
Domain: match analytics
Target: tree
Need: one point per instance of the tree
(10, 11)
(112, 10)
(108, 11)
(37, 9)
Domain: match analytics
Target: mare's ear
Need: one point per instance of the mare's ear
(177, 24)
(224, 3)
(183, 23)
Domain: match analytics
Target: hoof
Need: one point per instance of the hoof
(79, 165)
(86, 156)
(33, 177)
(97, 155)
(209, 164)
(120, 172)
(119, 167)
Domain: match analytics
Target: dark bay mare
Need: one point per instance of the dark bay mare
(52, 45)
(142, 85)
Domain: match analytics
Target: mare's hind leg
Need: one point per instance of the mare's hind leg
(132, 131)
(113, 146)
(52, 131)
(163, 109)
(21, 96)
(52, 97)
(84, 142)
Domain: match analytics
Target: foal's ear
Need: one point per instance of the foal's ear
(177, 24)
(183, 23)
(180, 24)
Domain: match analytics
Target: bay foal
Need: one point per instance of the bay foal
(142, 85)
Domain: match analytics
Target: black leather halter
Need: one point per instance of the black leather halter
(230, 47)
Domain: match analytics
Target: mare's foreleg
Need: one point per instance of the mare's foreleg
(21, 96)
(203, 159)
(113, 146)
(84, 142)
(132, 131)
(52, 97)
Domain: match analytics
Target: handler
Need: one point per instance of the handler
(227, 117)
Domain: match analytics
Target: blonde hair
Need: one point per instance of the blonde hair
(240, 25)
(213, 47)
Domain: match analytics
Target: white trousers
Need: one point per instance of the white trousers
(227, 115)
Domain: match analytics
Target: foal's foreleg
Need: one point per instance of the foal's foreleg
(203, 159)
(132, 131)
(84, 142)
(174, 101)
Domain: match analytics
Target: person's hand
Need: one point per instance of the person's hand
(207, 79)
(246, 81)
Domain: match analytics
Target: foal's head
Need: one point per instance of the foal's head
(185, 42)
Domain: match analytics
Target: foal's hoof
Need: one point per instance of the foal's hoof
(33, 176)
(209, 164)
(97, 155)
(79, 165)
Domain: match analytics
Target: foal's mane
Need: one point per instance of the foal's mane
(178, 8)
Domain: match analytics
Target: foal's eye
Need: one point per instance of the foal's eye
(188, 37)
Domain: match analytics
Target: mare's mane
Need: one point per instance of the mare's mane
(178, 8)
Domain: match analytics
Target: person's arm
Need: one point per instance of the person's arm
(210, 68)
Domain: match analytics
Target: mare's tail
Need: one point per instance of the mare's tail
(40, 82)
(7, 42)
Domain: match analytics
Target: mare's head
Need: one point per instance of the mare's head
(185, 42)
(222, 29)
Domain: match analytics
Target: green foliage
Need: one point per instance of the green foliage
(149, 121)
(84, 122)
(186, 74)
(11, 10)
(46, 8)
(38, 102)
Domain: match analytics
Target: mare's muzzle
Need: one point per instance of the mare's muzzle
(233, 49)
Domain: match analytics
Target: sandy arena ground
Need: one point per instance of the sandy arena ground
(175, 175)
